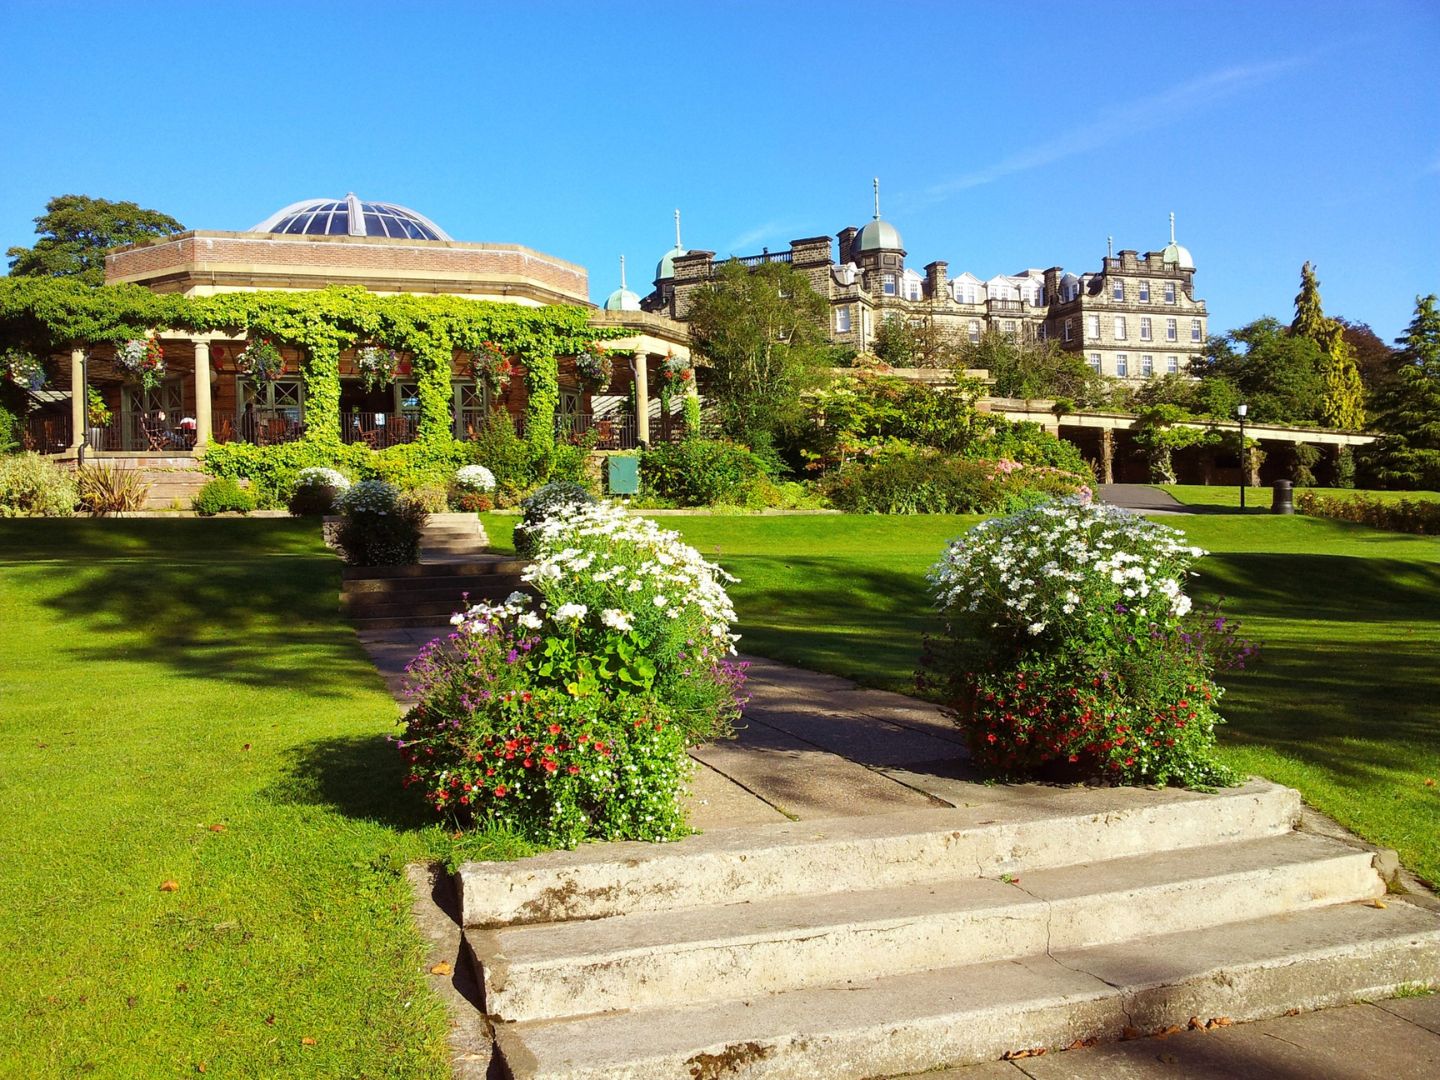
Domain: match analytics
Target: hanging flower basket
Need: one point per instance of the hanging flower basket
(260, 360)
(22, 369)
(143, 360)
(676, 376)
(377, 366)
(490, 365)
(594, 366)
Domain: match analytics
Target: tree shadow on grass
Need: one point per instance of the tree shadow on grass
(1344, 588)
(258, 620)
(358, 776)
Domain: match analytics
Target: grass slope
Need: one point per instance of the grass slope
(180, 702)
(1342, 706)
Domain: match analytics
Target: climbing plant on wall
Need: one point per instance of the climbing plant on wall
(47, 315)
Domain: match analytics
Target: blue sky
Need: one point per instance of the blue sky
(1004, 138)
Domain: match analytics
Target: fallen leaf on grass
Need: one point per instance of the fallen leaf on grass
(307, 1041)
(1429, 781)
(245, 747)
(199, 1066)
(442, 968)
(169, 886)
(270, 1019)
(217, 827)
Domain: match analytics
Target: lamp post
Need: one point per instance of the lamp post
(1240, 411)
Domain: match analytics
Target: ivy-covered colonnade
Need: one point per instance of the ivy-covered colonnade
(515, 353)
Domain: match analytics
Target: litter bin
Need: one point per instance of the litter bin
(1284, 502)
(622, 475)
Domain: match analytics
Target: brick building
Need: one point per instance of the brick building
(1135, 318)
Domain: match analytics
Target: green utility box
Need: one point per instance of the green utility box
(622, 475)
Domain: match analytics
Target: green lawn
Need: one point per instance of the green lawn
(1258, 499)
(1344, 705)
(179, 701)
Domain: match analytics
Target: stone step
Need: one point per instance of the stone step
(398, 622)
(436, 610)
(480, 564)
(1052, 826)
(899, 1024)
(695, 954)
(431, 586)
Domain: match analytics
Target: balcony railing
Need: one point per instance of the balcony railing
(612, 431)
(379, 430)
(46, 433)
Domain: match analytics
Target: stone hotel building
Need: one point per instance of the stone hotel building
(1136, 318)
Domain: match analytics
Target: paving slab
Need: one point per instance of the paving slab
(805, 782)
(715, 801)
(1422, 1011)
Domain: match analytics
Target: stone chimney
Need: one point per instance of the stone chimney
(937, 279)
(846, 236)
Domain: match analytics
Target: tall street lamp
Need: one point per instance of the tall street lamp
(1240, 411)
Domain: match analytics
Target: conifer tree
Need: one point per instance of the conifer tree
(1343, 405)
(1409, 454)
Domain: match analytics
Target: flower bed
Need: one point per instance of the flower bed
(1070, 647)
(900, 479)
(566, 715)
(1402, 515)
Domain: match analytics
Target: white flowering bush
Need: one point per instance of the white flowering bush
(379, 527)
(566, 712)
(317, 490)
(475, 478)
(1069, 641)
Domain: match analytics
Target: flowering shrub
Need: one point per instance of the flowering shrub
(35, 486)
(474, 478)
(1403, 515)
(377, 366)
(260, 360)
(378, 527)
(1069, 642)
(594, 366)
(898, 479)
(142, 359)
(22, 369)
(567, 716)
(317, 489)
(552, 500)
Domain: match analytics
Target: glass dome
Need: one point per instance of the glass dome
(351, 217)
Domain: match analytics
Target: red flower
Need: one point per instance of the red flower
(573, 769)
(550, 766)
(499, 791)
(554, 729)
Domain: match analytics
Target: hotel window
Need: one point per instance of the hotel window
(1095, 362)
(1122, 365)
(1069, 328)
(1147, 366)
(1144, 292)
(1169, 292)
(974, 331)
(1195, 334)
(1119, 327)
(1092, 327)
(1117, 291)
(1009, 328)
(1144, 329)
(842, 319)
(1171, 334)
(888, 286)
(1172, 365)
(912, 290)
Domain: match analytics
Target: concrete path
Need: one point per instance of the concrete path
(1142, 498)
(814, 746)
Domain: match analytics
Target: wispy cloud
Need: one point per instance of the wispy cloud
(771, 230)
(1118, 122)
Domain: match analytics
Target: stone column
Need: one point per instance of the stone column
(642, 398)
(1107, 455)
(78, 412)
(202, 394)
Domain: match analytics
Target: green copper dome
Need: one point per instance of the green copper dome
(665, 268)
(879, 235)
(622, 299)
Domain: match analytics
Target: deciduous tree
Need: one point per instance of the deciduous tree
(75, 232)
(762, 332)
